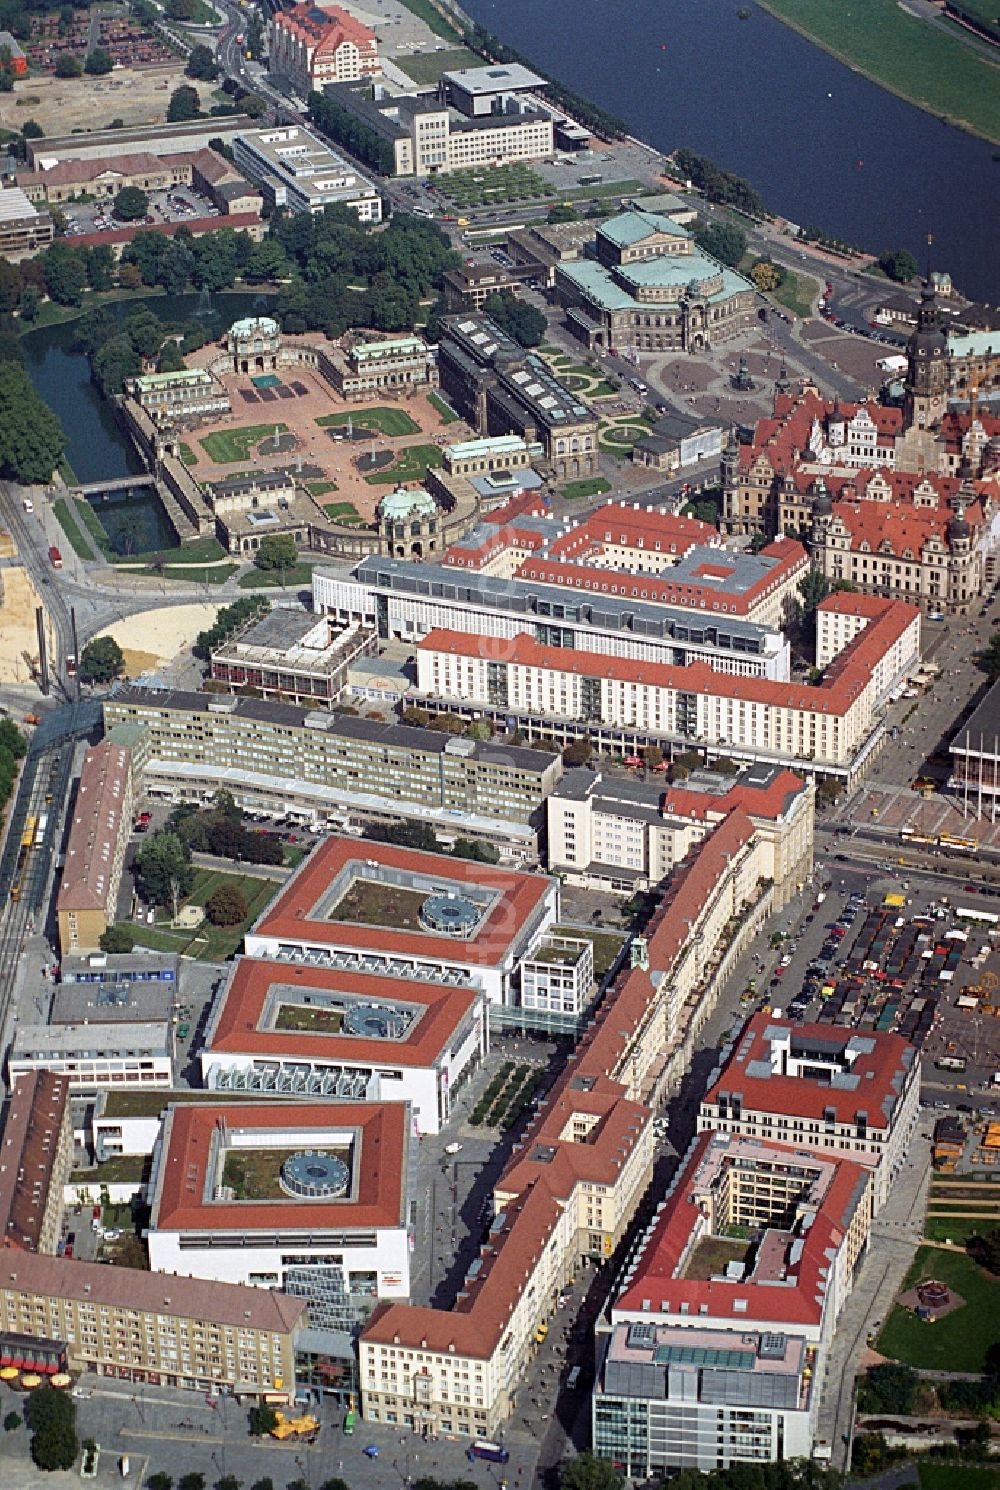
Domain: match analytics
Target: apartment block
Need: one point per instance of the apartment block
(95, 853)
(623, 706)
(719, 1334)
(23, 228)
(96, 1054)
(177, 1332)
(296, 170)
(822, 1087)
(581, 1168)
(291, 656)
(615, 833)
(326, 768)
(314, 45)
(36, 1155)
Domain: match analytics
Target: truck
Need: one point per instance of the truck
(55, 557)
(71, 664)
(951, 1063)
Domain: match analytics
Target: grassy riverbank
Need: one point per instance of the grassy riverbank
(906, 55)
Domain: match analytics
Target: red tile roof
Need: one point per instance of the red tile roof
(196, 226)
(881, 1072)
(901, 526)
(238, 1028)
(782, 438)
(290, 916)
(540, 1183)
(328, 27)
(628, 527)
(183, 1198)
(31, 1134)
(656, 1287)
(771, 801)
(847, 677)
(98, 820)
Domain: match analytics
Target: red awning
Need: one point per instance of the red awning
(50, 1368)
(5, 1360)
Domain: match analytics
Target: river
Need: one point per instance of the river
(97, 447)
(823, 145)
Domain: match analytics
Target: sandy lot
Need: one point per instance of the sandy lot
(60, 105)
(156, 636)
(17, 625)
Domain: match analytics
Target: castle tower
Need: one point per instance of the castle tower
(926, 397)
(822, 512)
(730, 474)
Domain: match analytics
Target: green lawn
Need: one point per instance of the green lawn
(905, 55)
(958, 1341)
(955, 1229)
(411, 466)
(88, 518)
(209, 943)
(956, 1476)
(447, 413)
(270, 579)
(797, 293)
(387, 421)
(320, 488)
(210, 575)
(435, 20)
(426, 67)
(68, 523)
(594, 486)
(343, 512)
(228, 445)
(188, 456)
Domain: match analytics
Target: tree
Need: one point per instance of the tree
(989, 659)
(32, 130)
(262, 1419)
(159, 1481)
(522, 321)
(31, 437)
(113, 363)
(226, 838)
(277, 551)
(987, 1248)
(100, 266)
(201, 64)
(98, 62)
(10, 1422)
(265, 1483)
(477, 851)
(117, 939)
(898, 264)
(65, 272)
(228, 1482)
(226, 906)
(765, 275)
(101, 661)
(130, 204)
(889, 1387)
(11, 285)
(814, 587)
(184, 104)
(171, 358)
(68, 65)
(193, 1480)
(723, 241)
(144, 330)
(51, 1417)
(577, 753)
(406, 835)
(588, 1472)
(253, 105)
(163, 865)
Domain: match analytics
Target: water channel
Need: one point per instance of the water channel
(97, 447)
(823, 145)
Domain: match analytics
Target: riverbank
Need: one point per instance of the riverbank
(905, 55)
(51, 314)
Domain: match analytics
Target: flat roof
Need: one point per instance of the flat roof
(130, 1002)
(95, 1039)
(855, 1071)
(348, 726)
(196, 1135)
(499, 77)
(516, 901)
(981, 730)
(243, 1021)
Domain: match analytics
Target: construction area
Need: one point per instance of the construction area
(19, 601)
(61, 106)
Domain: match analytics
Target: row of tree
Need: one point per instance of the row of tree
(229, 620)
(717, 184)
(31, 438)
(220, 830)
(524, 322)
(346, 129)
(12, 748)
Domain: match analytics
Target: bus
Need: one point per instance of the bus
(42, 824)
(55, 557)
(350, 1419)
(485, 1448)
(951, 1063)
(963, 845)
(985, 918)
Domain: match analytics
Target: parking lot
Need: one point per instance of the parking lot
(179, 204)
(898, 958)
